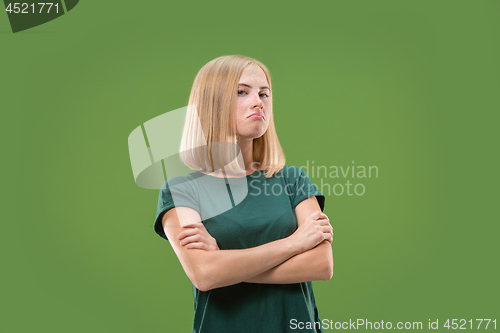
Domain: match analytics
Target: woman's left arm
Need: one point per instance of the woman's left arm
(315, 264)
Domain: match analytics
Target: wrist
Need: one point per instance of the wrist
(293, 246)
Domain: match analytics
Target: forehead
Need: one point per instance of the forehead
(253, 74)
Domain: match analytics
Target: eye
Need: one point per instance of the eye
(264, 95)
(241, 92)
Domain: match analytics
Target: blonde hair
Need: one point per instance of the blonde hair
(209, 140)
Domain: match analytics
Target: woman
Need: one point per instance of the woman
(251, 247)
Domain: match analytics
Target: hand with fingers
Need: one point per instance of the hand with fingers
(196, 236)
(315, 229)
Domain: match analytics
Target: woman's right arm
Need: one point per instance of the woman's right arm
(214, 269)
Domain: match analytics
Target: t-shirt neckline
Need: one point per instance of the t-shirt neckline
(204, 174)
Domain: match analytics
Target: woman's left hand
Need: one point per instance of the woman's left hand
(196, 236)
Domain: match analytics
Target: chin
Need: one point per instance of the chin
(253, 134)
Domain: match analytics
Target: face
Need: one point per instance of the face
(253, 108)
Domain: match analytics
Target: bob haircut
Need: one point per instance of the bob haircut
(209, 139)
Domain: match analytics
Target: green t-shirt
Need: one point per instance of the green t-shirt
(243, 213)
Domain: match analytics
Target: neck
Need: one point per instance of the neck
(246, 146)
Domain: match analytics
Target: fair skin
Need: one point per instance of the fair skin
(254, 97)
(306, 255)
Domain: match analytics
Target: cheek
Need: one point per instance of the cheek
(269, 112)
(240, 112)
(240, 105)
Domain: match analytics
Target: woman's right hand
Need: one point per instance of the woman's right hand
(315, 229)
(196, 236)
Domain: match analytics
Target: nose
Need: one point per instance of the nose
(258, 104)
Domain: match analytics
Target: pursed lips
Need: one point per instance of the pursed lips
(257, 115)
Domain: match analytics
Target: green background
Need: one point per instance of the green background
(410, 87)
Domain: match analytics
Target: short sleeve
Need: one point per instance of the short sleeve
(302, 187)
(173, 193)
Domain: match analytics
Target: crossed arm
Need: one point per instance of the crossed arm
(306, 255)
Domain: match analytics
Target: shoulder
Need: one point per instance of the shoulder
(292, 173)
(302, 186)
(179, 187)
(178, 180)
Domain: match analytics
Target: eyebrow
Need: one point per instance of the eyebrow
(246, 85)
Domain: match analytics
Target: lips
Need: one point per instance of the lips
(257, 115)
